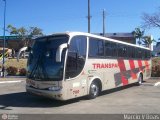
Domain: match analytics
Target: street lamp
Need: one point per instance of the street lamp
(4, 38)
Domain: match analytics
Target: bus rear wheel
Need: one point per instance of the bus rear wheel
(94, 90)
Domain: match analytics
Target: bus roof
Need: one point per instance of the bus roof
(97, 36)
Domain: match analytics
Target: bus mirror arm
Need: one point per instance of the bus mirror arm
(20, 51)
(59, 51)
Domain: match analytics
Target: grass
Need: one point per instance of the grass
(13, 62)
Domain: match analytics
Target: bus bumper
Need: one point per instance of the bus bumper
(46, 93)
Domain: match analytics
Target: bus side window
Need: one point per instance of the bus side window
(108, 49)
(143, 54)
(133, 52)
(148, 54)
(96, 48)
(120, 50)
(76, 56)
(129, 52)
(140, 53)
(137, 53)
(114, 49)
(101, 48)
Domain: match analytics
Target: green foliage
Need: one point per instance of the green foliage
(145, 40)
(148, 40)
(34, 31)
(24, 33)
(138, 34)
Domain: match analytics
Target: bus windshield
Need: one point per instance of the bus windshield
(42, 63)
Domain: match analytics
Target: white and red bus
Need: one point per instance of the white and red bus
(68, 65)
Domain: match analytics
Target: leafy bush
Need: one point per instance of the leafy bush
(156, 71)
(22, 72)
(156, 67)
(12, 70)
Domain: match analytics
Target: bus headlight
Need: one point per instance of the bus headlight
(55, 88)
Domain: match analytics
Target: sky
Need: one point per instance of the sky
(71, 15)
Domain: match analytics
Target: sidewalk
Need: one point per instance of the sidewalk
(153, 80)
(12, 78)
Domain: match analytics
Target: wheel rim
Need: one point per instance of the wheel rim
(140, 79)
(94, 90)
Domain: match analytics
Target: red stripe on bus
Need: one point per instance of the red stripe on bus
(147, 65)
(140, 65)
(124, 80)
(132, 66)
(131, 63)
(122, 67)
(134, 76)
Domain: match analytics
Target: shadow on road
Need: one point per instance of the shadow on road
(24, 99)
(117, 89)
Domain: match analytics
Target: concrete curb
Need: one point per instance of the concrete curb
(13, 78)
(13, 81)
(155, 78)
(157, 84)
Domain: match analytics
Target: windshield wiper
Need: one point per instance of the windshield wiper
(31, 75)
(38, 68)
(43, 69)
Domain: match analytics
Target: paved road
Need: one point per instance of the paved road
(132, 99)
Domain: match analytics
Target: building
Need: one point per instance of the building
(156, 49)
(15, 43)
(125, 37)
(12, 42)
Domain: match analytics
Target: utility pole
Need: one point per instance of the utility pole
(104, 16)
(89, 17)
(4, 38)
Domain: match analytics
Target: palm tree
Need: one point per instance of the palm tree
(148, 40)
(138, 34)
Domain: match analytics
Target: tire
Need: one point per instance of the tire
(94, 90)
(140, 79)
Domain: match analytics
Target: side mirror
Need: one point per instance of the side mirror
(20, 51)
(59, 52)
(29, 49)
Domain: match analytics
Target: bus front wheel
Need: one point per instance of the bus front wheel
(94, 90)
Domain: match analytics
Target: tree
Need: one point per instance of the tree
(148, 40)
(25, 34)
(138, 34)
(151, 20)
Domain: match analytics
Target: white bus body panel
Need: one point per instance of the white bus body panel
(111, 72)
